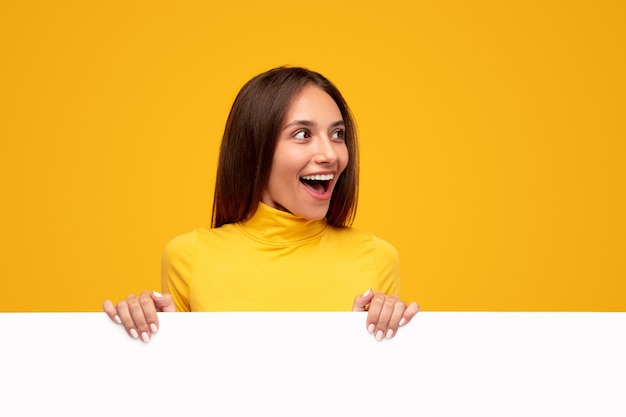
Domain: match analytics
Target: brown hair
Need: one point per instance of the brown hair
(249, 141)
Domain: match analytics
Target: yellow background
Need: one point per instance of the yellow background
(493, 140)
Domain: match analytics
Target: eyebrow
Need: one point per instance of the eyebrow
(311, 124)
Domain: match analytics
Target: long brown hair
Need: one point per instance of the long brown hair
(249, 141)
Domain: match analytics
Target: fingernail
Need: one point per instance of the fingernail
(153, 328)
(145, 337)
(389, 333)
(157, 294)
(117, 319)
(370, 328)
(379, 335)
(403, 321)
(133, 333)
(366, 293)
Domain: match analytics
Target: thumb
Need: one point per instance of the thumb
(361, 301)
(163, 302)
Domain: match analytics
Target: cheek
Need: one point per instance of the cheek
(344, 158)
(285, 164)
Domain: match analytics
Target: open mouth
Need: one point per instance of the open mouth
(318, 183)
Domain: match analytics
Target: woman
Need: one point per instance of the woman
(285, 197)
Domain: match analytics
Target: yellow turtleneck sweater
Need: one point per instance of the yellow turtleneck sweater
(277, 262)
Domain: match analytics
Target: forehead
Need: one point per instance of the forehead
(314, 104)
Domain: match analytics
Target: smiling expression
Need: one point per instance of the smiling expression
(309, 157)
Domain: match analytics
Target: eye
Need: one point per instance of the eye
(339, 134)
(302, 134)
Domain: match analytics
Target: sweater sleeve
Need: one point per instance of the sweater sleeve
(176, 268)
(387, 267)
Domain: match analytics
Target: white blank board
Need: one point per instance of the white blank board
(315, 364)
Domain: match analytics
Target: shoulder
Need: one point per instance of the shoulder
(385, 249)
(181, 243)
(358, 235)
(180, 251)
(377, 252)
(189, 243)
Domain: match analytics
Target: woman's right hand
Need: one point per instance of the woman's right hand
(139, 314)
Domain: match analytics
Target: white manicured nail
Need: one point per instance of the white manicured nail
(153, 328)
(117, 319)
(133, 333)
(389, 334)
(157, 294)
(366, 293)
(145, 337)
(370, 328)
(403, 321)
(379, 335)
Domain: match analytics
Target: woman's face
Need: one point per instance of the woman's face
(310, 155)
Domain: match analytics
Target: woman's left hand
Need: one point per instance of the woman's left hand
(385, 313)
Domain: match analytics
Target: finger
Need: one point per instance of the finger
(127, 319)
(375, 308)
(384, 318)
(396, 316)
(149, 312)
(111, 311)
(409, 313)
(163, 302)
(138, 317)
(361, 301)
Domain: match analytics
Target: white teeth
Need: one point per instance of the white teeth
(326, 177)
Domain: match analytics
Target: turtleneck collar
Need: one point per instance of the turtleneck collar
(273, 226)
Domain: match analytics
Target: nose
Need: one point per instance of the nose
(325, 152)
